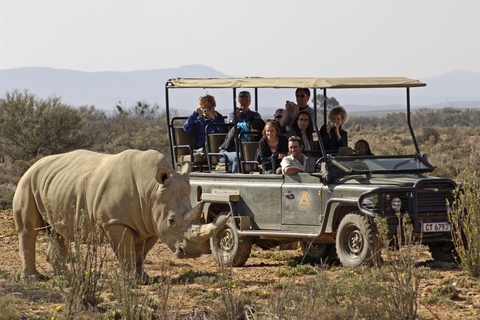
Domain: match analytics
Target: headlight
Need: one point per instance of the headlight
(396, 204)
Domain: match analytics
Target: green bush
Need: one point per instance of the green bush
(465, 220)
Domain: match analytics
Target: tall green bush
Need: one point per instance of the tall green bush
(465, 220)
(30, 126)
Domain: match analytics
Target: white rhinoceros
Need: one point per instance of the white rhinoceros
(135, 195)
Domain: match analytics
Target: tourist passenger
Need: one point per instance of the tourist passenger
(273, 147)
(243, 111)
(295, 162)
(292, 109)
(333, 136)
(303, 127)
(205, 114)
(362, 148)
(277, 116)
(228, 145)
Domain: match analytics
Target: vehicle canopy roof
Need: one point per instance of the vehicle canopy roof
(317, 83)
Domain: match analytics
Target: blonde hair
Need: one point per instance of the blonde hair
(338, 111)
(274, 125)
(202, 101)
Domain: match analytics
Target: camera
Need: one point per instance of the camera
(204, 110)
(332, 124)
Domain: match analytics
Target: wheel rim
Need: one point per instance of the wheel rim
(227, 241)
(355, 242)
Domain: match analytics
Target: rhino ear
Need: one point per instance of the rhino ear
(186, 168)
(163, 176)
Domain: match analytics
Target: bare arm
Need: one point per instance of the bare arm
(292, 170)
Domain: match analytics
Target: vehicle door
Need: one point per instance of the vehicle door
(302, 199)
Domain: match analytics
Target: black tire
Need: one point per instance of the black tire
(444, 251)
(229, 248)
(319, 250)
(356, 242)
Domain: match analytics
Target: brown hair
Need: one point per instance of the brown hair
(207, 98)
(338, 111)
(274, 125)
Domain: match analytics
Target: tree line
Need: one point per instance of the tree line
(31, 127)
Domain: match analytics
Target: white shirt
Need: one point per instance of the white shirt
(290, 161)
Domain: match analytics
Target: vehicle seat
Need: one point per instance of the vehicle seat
(249, 163)
(215, 140)
(345, 151)
(184, 144)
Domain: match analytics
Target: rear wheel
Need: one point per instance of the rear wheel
(444, 251)
(229, 248)
(319, 250)
(356, 242)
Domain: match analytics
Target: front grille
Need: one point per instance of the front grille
(432, 198)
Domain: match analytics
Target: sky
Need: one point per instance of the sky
(336, 38)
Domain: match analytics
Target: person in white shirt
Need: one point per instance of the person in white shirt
(295, 162)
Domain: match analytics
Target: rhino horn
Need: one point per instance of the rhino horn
(206, 231)
(196, 213)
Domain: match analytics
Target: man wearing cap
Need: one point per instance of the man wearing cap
(243, 112)
(292, 109)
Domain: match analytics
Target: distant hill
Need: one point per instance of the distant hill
(107, 89)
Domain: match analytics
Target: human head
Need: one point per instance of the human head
(269, 126)
(278, 114)
(362, 148)
(244, 100)
(300, 125)
(339, 115)
(207, 101)
(295, 146)
(302, 95)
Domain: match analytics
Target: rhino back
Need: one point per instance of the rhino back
(113, 189)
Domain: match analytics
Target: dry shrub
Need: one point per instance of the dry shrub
(465, 219)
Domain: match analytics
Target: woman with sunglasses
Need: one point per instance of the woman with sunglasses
(292, 109)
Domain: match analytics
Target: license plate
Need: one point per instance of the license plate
(437, 227)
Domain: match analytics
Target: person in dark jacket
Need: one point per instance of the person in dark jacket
(205, 114)
(303, 128)
(333, 136)
(273, 147)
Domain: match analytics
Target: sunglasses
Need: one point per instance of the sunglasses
(300, 95)
(279, 116)
(294, 138)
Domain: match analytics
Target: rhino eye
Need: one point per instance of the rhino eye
(171, 222)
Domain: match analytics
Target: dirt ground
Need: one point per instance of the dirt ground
(258, 274)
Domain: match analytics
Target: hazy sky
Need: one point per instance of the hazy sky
(412, 38)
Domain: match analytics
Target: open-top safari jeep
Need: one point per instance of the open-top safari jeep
(332, 210)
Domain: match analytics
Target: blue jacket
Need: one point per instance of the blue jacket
(196, 124)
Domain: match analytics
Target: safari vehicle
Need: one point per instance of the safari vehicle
(330, 211)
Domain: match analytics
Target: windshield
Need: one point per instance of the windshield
(387, 164)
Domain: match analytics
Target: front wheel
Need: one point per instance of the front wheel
(444, 251)
(356, 242)
(229, 248)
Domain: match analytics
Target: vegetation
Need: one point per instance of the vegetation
(465, 219)
(89, 284)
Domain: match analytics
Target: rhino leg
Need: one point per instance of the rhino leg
(27, 222)
(27, 240)
(57, 255)
(123, 241)
(141, 251)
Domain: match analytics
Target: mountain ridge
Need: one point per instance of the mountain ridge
(106, 89)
